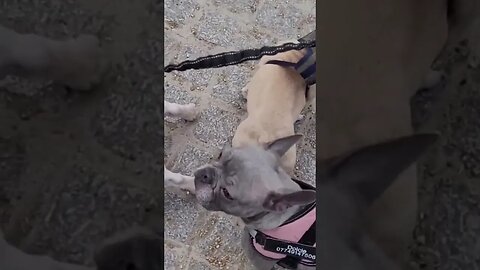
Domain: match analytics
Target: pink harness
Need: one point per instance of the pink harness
(290, 232)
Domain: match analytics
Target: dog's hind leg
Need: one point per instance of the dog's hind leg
(178, 180)
(184, 111)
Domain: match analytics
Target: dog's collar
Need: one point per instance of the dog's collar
(306, 67)
(293, 242)
(254, 217)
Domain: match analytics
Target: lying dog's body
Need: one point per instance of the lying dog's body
(276, 96)
(76, 63)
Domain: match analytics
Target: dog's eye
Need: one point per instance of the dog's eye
(226, 194)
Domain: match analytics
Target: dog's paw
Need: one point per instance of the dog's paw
(188, 185)
(179, 181)
(138, 248)
(189, 112)
(182, 182)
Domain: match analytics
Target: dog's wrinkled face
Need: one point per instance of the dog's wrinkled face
(247, 181)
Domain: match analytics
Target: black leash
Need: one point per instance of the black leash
(237, 57)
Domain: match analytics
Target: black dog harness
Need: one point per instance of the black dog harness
(306, 67)
(299, 229)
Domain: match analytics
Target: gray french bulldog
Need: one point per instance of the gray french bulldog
(248, 182)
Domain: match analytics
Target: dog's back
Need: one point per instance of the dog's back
(276, 91)
(275, 99)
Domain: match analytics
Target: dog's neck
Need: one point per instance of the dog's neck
(274, 220)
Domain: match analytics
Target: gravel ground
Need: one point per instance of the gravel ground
(105, 148)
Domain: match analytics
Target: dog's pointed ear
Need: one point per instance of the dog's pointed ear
(281, 146)
(281, 202)
(369, 171)
(226, 148)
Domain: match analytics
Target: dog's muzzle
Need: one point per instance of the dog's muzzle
(204, 185)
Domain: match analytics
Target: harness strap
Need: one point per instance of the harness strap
(308, 239)
(306, 67)
(295, 252)
(301, 251)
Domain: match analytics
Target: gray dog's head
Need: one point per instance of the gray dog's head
(249, 181)
(346, 187)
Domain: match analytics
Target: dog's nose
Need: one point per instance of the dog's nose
(205, 175)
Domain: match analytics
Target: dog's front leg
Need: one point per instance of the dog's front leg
(186, 111)
(178, 180)
(75, 62)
